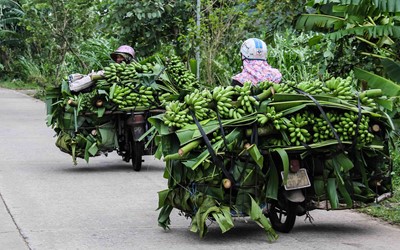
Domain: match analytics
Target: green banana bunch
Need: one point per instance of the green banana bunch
(132, 96)
(222, 96)
(297, 127)
(270, 115)
(311, 87)
(339, 87)
(180, 75)
(261, 86)
(198, 102)
(245, 100)
(277, 142)
(176, 114)
(322, 131)
(347, 125)
(113, 72)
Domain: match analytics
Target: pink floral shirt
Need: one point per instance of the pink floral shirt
(256, 71)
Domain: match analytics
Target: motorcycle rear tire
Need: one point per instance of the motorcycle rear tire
(282, 218)
(137, 150)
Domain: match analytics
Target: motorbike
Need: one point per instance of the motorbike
(305, 188)
(133, 141)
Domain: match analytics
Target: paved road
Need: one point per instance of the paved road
(48, 203)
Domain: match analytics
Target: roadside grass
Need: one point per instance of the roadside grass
(25, 87)
(388, 210)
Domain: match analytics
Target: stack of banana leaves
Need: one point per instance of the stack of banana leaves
(85, 121)
(219, 146)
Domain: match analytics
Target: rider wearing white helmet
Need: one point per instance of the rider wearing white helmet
(79, 82)
(255, 68)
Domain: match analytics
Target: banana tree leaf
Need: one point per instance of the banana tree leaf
(392, 69)
(191, 131)
(93, 149)
(257, 215)
(194, 163)
(101, 111)
(344, 162)
(256, 155)
(285, 162)
(163, 218)
(387, 104)
(157, 121)
(332, 193)
(88, 146)
(319, 185)
(162, 196)
(345, 194)
(297, 97)
(272, 186)
(388, 87)
(224, 218)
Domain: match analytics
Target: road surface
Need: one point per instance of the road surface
(48, 203)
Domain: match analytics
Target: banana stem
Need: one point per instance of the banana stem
(183, 151)
(265, 94)
(263, 131)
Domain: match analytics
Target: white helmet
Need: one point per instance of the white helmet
(254, 49)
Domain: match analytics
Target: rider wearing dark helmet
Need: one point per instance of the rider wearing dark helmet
(79, 82)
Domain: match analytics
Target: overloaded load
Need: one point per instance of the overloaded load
(87, 123)
(227, 149)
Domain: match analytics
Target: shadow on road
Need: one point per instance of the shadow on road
(334, 228)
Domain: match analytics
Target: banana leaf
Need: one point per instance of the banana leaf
(332, 193)
(191, 131)
(345, 194)
(223, 218)
(285, 162)
(256, 155)
(163, 217)
(319, 186)
(230, 138)
(388, 87)
(272, 186)
(257, 215)
(392, 68)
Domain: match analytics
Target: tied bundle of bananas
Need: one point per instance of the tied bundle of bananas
(179, 75)
(176, 114)
(132, 96)
(277, 142)
(296, 126)
(339, 87)
(114, 71)
(311, 87)
(367, 97)
(245, 100)
(222, 96)
(198, 102)
(322, 131)
(270, 115)
(261, 86)
(347, 125)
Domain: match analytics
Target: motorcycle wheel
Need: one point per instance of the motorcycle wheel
(282, 218)
(137, 149)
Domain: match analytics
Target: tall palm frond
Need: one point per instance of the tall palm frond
(386, 6)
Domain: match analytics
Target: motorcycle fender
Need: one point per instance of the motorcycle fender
(294, 195)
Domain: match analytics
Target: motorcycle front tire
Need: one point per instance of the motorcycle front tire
(137, 150)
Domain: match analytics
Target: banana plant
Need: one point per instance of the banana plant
(374, 23)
